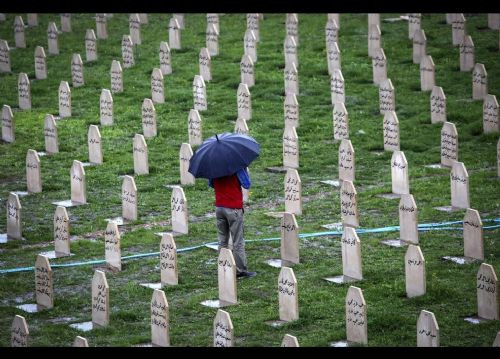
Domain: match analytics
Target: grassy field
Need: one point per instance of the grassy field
(451, 288)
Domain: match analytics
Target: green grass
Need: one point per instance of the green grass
(451, 292)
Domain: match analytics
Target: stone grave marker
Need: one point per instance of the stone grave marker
(106, 107)
(290, 49)
(8, 126)
(77, 71)
(374, 40)
(95, 145)
(414, 23)
(24, 91)
(185, 155)
(32, 20)
(61, 232)
(253, 22)
(293, 192)
(449, 18)
(213, 19)
(335, 17)
(373, 19)
(129, 198)
(226, 274)
(419, 45)
(291, 79)
(427, 73)
(199, 93)
(414, 272)
(247, 71)
(458, 29)
(78, 185)
(289, 341)
(291, 110)
(101, 26)
(467, 58)
(194, 130)
(449, 144)
(80, 342)
(288, 295)
(19, 36)
(134, 25)
(387, 98)
(399, 173)
(408, 219)
(165, 59)
(148, 118)
(127, 51)
(494, 21)
(289, 240)
(351, 255)
(116, 77)
(112, 247)
(179, 210)
(241, 126)
(140, 151)
(331, 32)
(473, 235)
(33, 172)
(479, 82)
(244, 100)
(438, 105)
(180, 20)
(205, 63)
(490, 114)
(174, 34)
(40, 63)
(250, 45)
(391, 131)
(100, 300)
(337, 87)
(4, 57)
(64, 100)
(223, 329)
(379, 65)
(427, 330)
(19, 332)
(340, 122)
(14, 223)
(66, 22)
(487, 292)
(459, 179)
(143, 18)
(168, 260)
(160, 331)
(212, 40)
(346, 161)
(333, 57)
(290, 148)
(90, 45)
(349, 204)
(53, 38)
(157, 86)
(356, 320)
(44, 283)
(292, 27)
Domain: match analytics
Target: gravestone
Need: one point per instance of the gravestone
(148, 118)
(487, 292)
(414, 23)
(253, 22)
(427, 330)
(408, 219)
(14, 223)
(127, 52)
(449, 144)
(289, 240)
(64, 100)
(374, 40)
(467, 58)
(223, 329)
(473, 235)
(157, 86)
(293, 192)
(213, 19)
(459, 179)
(179, 210)
(373, 19)
(355, 312)
(195, 128)
(244, 100)
(140, 152)
(129, 198)
(391, 131)
(387, 98)
(112, 247)
(427, 73)
(333, 57)
(165, 59)
(414, 272)
(379, 65)
(19, 37)
(337, 88)
(290, 148)
(247, 71)
(331, 32)
(78, 185)
(348, 204)
(32, 19)
(53, 38)
(241, 127)
(40, 63)
(4, 57)
(290, 50)
(80, 342)
(479, 82)
(66, 22)
(95, 145)
(226, 274)
(101, 26)
(340, 122)
(33, 172)
(180, 20)
(351, 254)
(494, 21)
(100, 300)
(212, 40)
(288, 295)
(174, 34)
(77, 71)
(458, 29)
(346, 161)
(449, 18)
(143, 18)
(335, 17)
(106, 107)
(90, 45)
(289, 341)
(19, 332)
(205, 63)
(116, 77)
(8, 126)
(134, 25)
(61, 232)
(250, 45)
(160, 331)
(291, 79)
(438, 105)
(185, 155)
(24, 91)
(2, 17)
(399, 173)
(291, 110)
(292, 27)
(168, 260)
(44, 283)
(490, 114)
(419, 45)
(199, 93)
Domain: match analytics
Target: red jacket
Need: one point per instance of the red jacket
(228, 192)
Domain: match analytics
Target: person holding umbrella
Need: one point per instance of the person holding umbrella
(223, 160)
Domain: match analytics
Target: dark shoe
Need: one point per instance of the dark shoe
(246, 274)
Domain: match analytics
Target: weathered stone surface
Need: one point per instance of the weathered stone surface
(53, 38)
(427, 330)
(399, 173)
(292, 27)
(80, 342)
(4, 57)
(414, 23)
(44, 283)
(241, 126)
(289, 239)
(8, 125)
(174, 34)
(66, 22)
(134, 25)
(101, 26)
(223, 329)
(244, 102)
(438, 105)
(213, 19)
(356, 320)
(449, 144)
(100, 299)
(459, 180)
(467, 58)
(479, 82)
(331, 31)
(427, 73)
(253, 22)
(346, 161)
(168, 260)
(148, 118)
(293, 192)
(408, 219)
(64, 100)
(205, 64)
(333, 57)
(19, 332)
(290, 148)
(24, 91)
(19, 37)
(290, 50)
(106, 107)
(247, 71)
(349, 204)
(212, 40)
(157, 86)
(78, 186)
(32, 20)
(61, 232)
(14, 223)
(40, 63)
(90, 45)
(490, 114)
(94, 140)
(374, 40)
(33, 172)
(340, 122)
(373, 19)
(414, 272)
(179, 210)
(116, 77)
(165, 58)
(129, 198)
(226, 274)
(351, 254)
(140, 152)
(419, 45)
(185, 154)
(180, 20)
(112, 247)
(291, 111)
(250, 45)
(195, 128)
(291, 77)
(160, 327)
(288, 295)
(487, 292)
(335, 17)
(127, 51)
(473, 235)
(289, 341)
(379, 66)
(458, 29)
(199, 93)
(387, 97)
(391, 131)
(337, 88)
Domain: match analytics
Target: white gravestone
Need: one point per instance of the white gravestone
(288, 295)
(340, 122)
(335, 17)
(379, 66)
(292, 26)
(226, 274)
(205, 64)
(212, 40)
(438, 105)
(100, 300)
(90, 45)
(78, 185)
(44, 283)
(458, 29)
(449, 18)
(4, 57)
(490, 114)
(253, 22)
(241, 127)
(94, 140)
(399, 173)
(195, 128)
(473, 235)
(356, 320)
(199, 93)
(351, 254)
(80, 342)
(487, 292)
(250, 45)
(14, 223)
(291, 110)
(387, 98)
(140, 152)
(174, 34)
(346, 161)
(374, 40)
(19, 332)
(116, 77)
(61, 232)
(165, 59)
(247, 71)
(66, 22)
(414, 23)
(40, 63)
(223, 329)
(408, 219)
(32, 19)
(185, 154)
(290, 49)
(289, 247)
(289, 341)
(459, 179)
(213, 19)
(134, 25)
(331, 32)
(77, 71)
(467, 58)
(33, 172)
(333, 57)
(414, 272)
(106, 107)
(64, 100)
(179, 210)
(293, 192)
(419, 46)
(290, 148)
(337, 87)
(24, 91)
(180, 19)
(129, 199)
(53, 39)
(427, 330)
(349, 204)
(19, 36)
(494, 21)
(244, 101)
(101, 26)
(479, 82)
(427, 73)
(112, 247)
(127, 52)
(168, 260)
(373, 19)
(8, 126)
(160, 330)
(291, 76)
(391, 131)
(449, 144)
(148, 118)
(50, 135)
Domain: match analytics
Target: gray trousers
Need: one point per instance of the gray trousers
(230, 220)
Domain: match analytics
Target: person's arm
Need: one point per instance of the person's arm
(210, 183)
(244, 178)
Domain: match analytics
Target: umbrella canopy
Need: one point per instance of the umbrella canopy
(223, 155)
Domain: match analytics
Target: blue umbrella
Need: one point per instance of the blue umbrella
(223, 155)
